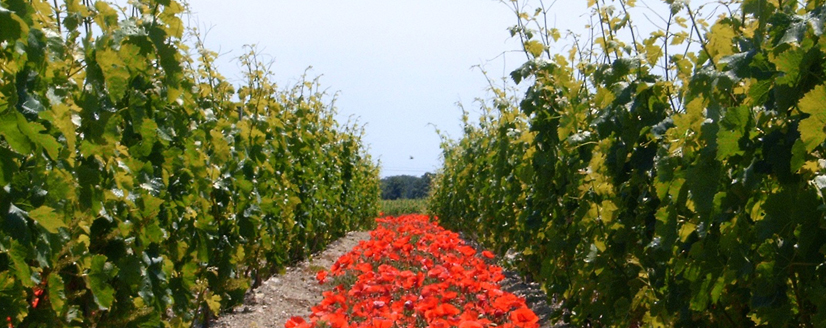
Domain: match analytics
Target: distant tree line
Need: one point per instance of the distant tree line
(406, 186)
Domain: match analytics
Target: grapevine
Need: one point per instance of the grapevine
(139, 187)
(644, 183)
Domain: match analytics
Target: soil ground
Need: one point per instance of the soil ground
(290, 294)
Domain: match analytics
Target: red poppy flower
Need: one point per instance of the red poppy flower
(470, 324)
(467, 250)
(439, 323)
(382, 323)
(321, 276)
(296, 322)
(413, 273)
(524, 317)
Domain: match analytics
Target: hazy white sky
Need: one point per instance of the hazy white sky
(399, 65)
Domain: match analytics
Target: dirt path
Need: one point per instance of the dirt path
(290, 294)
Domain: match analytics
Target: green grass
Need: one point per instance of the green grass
(403, 206)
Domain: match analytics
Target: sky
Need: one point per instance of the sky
(399, 66)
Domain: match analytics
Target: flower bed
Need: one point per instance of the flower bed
(414, 273)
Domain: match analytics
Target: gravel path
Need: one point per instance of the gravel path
(290, 294)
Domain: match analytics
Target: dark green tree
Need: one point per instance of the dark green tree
(406, 186)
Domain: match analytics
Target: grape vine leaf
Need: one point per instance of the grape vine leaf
(813, 128)
(11, 26)
(732, 128)
(13, 298)
(114, 72)
(534, 47)
(37, 134)
(46, 217)
(7, 166)
(10, 131)
(19, 265)
(106, 15)
(213, 302)
(97, 280)
(57, 291)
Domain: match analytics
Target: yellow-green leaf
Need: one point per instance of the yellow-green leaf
(600, 245)
(57, 293)
(220, 146)
(37, 134)
(60, 116)
(604, 97)
(678, 38)
(535, 48)
(813, 128)
(686, 230)
(106, 17)
(47, 218)
(607, 210)
(14, 137)
(19, 266)
(214, 303)
(114, 72)
(720, 41)
(555, 34)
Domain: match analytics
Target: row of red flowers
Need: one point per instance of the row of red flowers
(414, 273)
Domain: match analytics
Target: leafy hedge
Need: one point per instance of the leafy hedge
(139, 188)
(685, 197)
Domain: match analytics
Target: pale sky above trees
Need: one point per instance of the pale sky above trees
(398, 65)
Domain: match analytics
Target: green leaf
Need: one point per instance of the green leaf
(61, 117)
(813, 128)
(150, 206)
(154, 233)
(115, 73)
(14, 137)
(717, 289)
(798, 155)
(189, 274)
(100, 272)
(7, 167)
(13, 298)
(20, 266)
(46, 217)
(699, 301)
(728, 144)
(57, 292)
(788, 61)
(732, 129)
(133, 59)
(37, 134)
(555, 34)
(11, 26)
